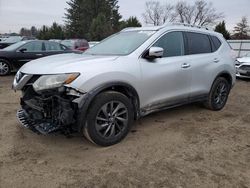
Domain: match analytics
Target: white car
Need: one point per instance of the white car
(133, 73)
(243, 67)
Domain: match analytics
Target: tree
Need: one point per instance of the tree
(81, 14)
(56, 31)
(33, 31)
(157, 14)
(25, 32)
(98, 30)
(201, 13)
(241, 29)
(44, 33)
(221, 28)
(132, 22)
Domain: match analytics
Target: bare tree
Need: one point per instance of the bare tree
(158, 14)
(201, 13)
(241, 29)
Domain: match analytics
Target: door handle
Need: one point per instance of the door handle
(39, 54)
(216, 60)
(185, 65)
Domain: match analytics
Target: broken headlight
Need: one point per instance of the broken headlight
(54, 81)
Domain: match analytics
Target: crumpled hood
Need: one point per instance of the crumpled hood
(64, 63)
(244, 60)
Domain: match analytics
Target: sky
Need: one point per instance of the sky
(15, 14)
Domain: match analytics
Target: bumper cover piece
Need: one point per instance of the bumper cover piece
(27, 122)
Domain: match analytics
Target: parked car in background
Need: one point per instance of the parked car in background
(13, 39)
(93, 43)
(16, 55)
(76, 44)
(131, 74)
(243, 67)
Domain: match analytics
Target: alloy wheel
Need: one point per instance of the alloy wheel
(111, 119)
(221, 93)
(4, 68)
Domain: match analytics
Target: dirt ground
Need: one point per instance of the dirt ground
(183, 147)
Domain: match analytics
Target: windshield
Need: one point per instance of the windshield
(14, 46)
(13, 39)
(122, 43)
(68, 43)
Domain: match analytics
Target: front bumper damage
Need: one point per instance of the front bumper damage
(50, 111)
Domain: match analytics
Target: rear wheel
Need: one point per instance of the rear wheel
(109, 119)
(218, 95)
(4, 67)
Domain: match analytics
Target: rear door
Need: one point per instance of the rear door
(203, 63)
(53, 48)
(167, 79)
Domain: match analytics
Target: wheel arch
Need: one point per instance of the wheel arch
(227, 76)
(121, 87)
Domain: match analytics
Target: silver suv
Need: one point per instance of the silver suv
(127, 76)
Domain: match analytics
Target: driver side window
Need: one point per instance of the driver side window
(172, 43)
(33, 47)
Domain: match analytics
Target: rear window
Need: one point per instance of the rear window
(198, 43)
(216, 43)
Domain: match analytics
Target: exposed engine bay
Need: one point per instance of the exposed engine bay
(48, 111)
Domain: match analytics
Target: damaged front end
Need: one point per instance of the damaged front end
(48, 110)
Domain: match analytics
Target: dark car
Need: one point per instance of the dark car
(16, 55)
(76, 44)
(12, 40)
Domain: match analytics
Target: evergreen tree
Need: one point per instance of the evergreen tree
(44, 33)
(56, 31)
(133, 22)
(221, 28)
(82, 16)
(33, 31)
(98, 30)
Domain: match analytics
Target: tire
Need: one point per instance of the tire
(5, 68)
(218, 95)
(104, 128)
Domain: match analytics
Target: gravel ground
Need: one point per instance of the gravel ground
(187, 146)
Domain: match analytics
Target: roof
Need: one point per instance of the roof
(171, 26)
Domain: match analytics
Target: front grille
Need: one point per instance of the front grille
(245, 67)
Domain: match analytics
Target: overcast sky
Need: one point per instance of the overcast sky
(15, 14)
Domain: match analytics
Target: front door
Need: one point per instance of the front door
(166, 80)
(29, 51)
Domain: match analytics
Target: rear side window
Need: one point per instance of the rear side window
(52, 46)
(198, 43)
(216, 43)
(172, 43)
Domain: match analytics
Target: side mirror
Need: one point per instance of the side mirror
(23, 50)
(155, 52)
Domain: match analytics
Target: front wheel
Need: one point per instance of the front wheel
(218, 95)
(109, 118)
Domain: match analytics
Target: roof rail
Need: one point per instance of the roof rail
(185, 24)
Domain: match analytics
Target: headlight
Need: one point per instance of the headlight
(54, 81)
(237, 63)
